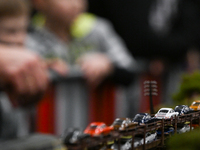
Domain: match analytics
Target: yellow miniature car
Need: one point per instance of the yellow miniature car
(195, 105)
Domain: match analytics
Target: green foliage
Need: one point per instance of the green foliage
(185, 141)
(190, 85)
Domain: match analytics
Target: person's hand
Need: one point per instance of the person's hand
(58, 65)
(95, 67)
(23, 74)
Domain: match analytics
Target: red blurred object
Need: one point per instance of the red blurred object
(98, 128)
(45, 118)
(102, 108)
(195, 126)
(102, 103)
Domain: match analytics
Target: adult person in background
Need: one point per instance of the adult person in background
(87, 43)
(159, 32)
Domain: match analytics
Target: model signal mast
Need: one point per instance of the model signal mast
(150, 89)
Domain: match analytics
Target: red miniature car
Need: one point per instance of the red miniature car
(97, 129)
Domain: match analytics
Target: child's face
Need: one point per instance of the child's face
(64, 10)
(13, 30)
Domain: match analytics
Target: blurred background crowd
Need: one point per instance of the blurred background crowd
(66, 63)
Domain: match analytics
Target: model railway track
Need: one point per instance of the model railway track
(103, 142)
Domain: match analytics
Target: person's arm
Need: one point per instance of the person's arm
(95, 67)
(22, 74)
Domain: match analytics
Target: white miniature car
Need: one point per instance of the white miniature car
(166, 113)
(184, 128)
(149, 137)
(139, 140)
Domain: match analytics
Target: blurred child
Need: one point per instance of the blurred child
(83, 41)
(14, 20)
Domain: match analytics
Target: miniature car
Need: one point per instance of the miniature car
(182, 109)
(73, 136)
(122, 124)
(142, 118)
(168, 130)
(182, 128)
(127, 144)
(121, 143)
(98, 129)
(149, 137)
(139, 140)
(166, 113)
(195, 105)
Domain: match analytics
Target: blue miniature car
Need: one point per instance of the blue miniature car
(142, 118)
(182, 109)
(168, 130)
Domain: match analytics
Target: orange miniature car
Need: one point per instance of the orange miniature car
(195, 105)
(97, 129)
